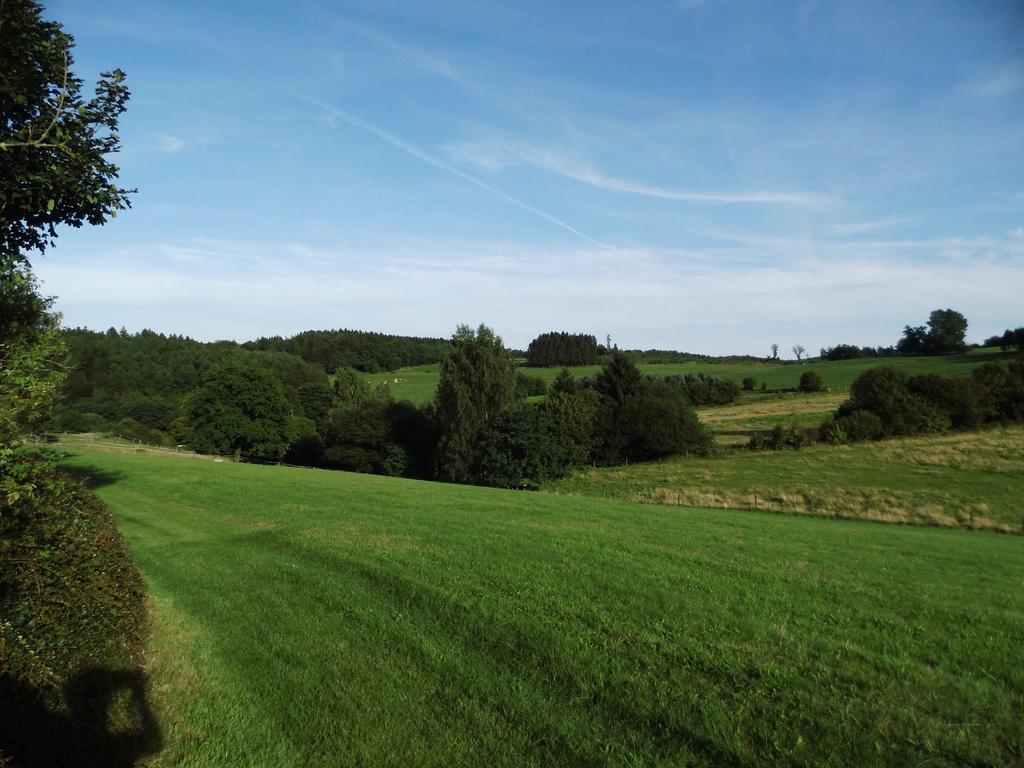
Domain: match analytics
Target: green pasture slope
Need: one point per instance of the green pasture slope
(418, 384)
(311, 618)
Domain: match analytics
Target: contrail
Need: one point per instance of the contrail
(405, 146)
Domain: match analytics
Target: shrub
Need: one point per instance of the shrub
(701, 389)
(529, 386)
(861, 425)
(72, 617)
(955, 398)
(810, 381)
(884, 391)
(779, 438)
(749, 383)
(999, 391)
(659, 421)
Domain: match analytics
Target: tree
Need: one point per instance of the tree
(810, 381)
(477, 384)
(944, 335)
(565, 383)
(53, 144)
(239, 410)
(798, 351)
(775, 351)
(53, 170)
(947, 329)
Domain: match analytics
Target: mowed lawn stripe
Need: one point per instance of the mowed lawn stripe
(339, 619)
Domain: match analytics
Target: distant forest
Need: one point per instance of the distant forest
(363, 350)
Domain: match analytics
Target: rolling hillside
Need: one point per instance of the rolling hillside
(320, 618)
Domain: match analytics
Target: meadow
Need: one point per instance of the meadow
(966, 479)
(418, 383)
(306, 617)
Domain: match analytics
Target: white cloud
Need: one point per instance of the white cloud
(496, 154)
(171, 144)
(873, 225)
(736, 298)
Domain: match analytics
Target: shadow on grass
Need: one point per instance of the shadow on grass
(81, 735)
(92, 477)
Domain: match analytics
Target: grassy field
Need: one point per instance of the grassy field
(418, 384)
(308, 618)
(969, 479)
(733, 424)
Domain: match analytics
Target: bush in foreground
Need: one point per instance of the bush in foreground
(72, 624)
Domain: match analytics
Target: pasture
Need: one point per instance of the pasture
(962, 479)
(418, 383)
(304, 617)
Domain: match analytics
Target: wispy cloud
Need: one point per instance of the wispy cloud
(399, 143)
(171, 144)
(873, 225)
(1004, 81)
(495, 155)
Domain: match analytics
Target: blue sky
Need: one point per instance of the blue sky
(705, 175)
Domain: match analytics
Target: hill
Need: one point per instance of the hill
(309, 617)
(418, 383)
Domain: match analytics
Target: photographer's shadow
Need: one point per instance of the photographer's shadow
(82, 735)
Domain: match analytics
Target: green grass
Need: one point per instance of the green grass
(308, 618)
(969, 479)
(418, 384)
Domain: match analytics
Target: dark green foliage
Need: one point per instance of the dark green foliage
(414, 430)
(1012, 339)
(316, 400)
(999, 391)
(884, 402)
(659, 421)
(146, 376)
(561, 348)
(944, 335)
(639, 419)
(572, 416)
(31, 354)
(779, 438)
(565, 383)
(53, 144)
(955, 398)
(357, 438)
(702, 389)
(362, 350)
(72, 607)
(477, 384)
(852, 352)
(884, 391)
(667, 356)
(947, 330)
(749, 383)
(518, 449)
(349, 386)
(914, 341)
(619, 379)
(239, 410)
(811, 381)
(530, 386)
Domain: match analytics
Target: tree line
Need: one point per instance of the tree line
(363, 350)
(559, 348)
(945, 333)
(479, 429)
